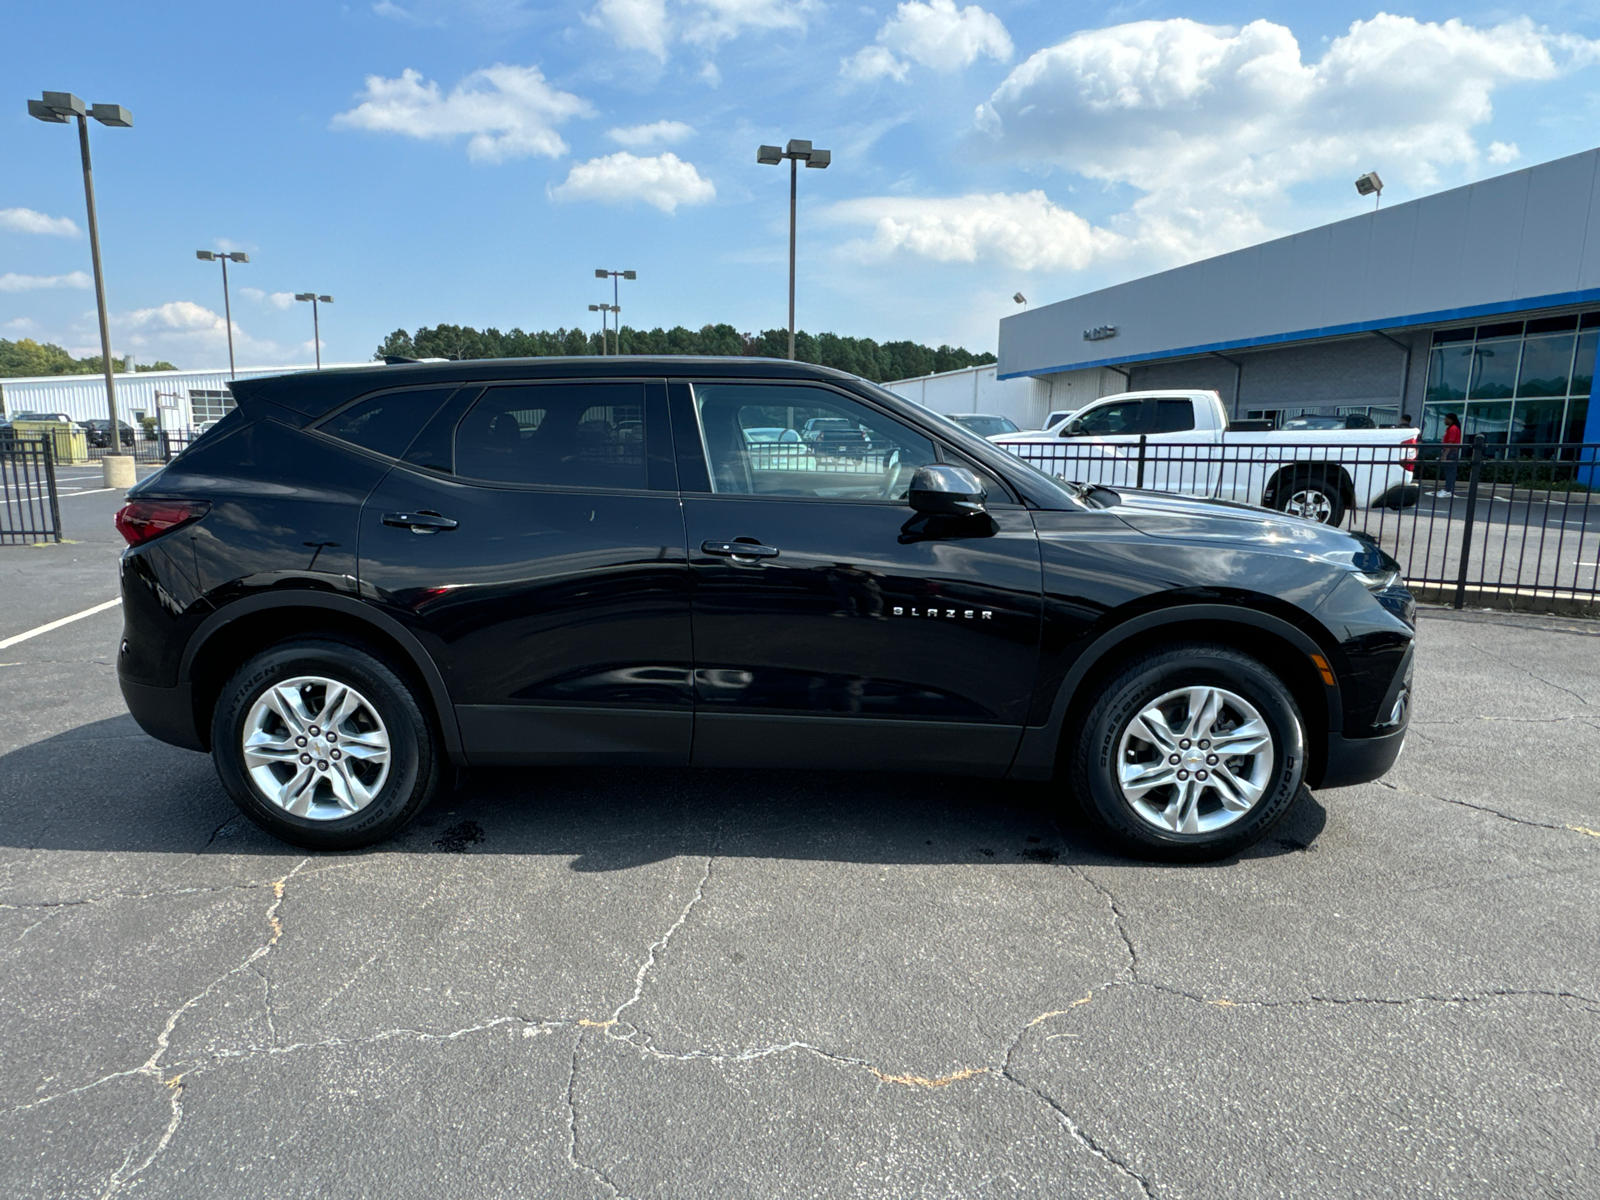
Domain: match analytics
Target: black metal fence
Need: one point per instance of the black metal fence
(153, 447)
(1503, 525)
(30, 509)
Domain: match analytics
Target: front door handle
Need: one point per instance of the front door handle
(751, 550)
(419, 522)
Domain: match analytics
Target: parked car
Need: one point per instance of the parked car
(360, 581)
(99, 431)
(835, 435)
(985, 424)
(1190, 447)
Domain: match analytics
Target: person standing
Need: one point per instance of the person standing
(1450, 456)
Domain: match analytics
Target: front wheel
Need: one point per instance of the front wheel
(324, 745)
(1192, 752)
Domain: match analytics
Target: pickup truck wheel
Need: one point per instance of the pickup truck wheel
(1313, 499)
(324, 745)
(1192, 752)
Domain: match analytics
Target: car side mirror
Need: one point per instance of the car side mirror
(946, 491)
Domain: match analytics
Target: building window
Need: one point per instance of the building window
(1514, 382)
(209, 406)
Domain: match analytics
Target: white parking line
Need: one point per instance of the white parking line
(7, 643)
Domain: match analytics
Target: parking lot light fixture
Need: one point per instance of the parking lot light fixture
(797, 151)
(58, 108)
(227, 307)
(602, 309)
(316, 325)
(1371, 185)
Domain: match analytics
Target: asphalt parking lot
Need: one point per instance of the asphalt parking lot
(598, 983)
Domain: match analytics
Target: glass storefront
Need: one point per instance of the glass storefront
(1515, 382)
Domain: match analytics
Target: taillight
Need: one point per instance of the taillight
(140, 520)
(1409, 461)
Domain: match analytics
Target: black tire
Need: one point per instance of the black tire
(414, 768)
(1290, 491)
(1095, 762)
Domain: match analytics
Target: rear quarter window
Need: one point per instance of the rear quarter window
(386, 423)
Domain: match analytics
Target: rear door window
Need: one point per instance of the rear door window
(568, 435)
(1170, 416)
(386, 423)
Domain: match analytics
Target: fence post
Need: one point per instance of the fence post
(1140, 483)
(50, 482)
(1472, 509)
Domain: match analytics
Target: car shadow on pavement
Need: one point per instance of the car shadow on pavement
(106, 786)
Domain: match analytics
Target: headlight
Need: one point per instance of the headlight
(1380, 580)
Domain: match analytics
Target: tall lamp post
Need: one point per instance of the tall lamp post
(796, 152)
(58, 108)
(227, 306)
(616, 296)
(603, 309)
(316, 325)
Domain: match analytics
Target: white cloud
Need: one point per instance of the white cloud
(277, 300)
(664, 181)
(506, 111)
(654, 25)
(637, 136)
(936, 35)
(12, 282)
(1503, 152)
(190, 332)
(1214, 124)
(1024, 231)
(25, 220)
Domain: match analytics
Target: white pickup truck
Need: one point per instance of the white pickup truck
(1180, 441)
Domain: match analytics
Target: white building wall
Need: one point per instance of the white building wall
(976, 390)
(83, 397)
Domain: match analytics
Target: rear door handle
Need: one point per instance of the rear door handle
(739, 550)
(419, 522)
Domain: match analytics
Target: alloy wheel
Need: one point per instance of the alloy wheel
(315, 748)
(1195, 760)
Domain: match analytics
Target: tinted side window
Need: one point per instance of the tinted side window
(1107, 421)
(386, 423)
(582, 435)
(1172, 416)
(772, 440)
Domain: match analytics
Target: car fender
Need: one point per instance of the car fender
(420, 659)
(1036, 755)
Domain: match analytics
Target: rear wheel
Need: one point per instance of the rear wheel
(324, 745)
(1192, 752)
(1312, 498)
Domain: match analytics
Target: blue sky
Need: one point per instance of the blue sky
(473, 161)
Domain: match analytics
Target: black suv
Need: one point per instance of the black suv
(360, 580)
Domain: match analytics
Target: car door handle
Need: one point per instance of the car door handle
(739, 550)
(419, 522)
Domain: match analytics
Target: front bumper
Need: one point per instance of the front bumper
(166, 714)
(1360, 760)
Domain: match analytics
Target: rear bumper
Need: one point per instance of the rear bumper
(1360, 760)
(166, 714)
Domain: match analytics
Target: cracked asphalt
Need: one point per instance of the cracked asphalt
(657, 983)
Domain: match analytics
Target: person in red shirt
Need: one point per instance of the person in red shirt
(1451, 454)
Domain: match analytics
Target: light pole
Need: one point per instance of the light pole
(227, 307)
(616, 296)
(58, 108)
(603, 309)
(796, 152)
(316, 325)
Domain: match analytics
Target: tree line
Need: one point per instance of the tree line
(28, 357)
(877, 361)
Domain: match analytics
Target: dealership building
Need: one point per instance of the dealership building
(1483, 301)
